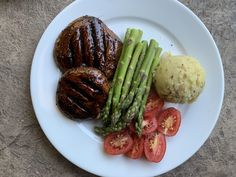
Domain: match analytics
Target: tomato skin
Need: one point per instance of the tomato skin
(148, 126)
(153, 107)
(136, 151)
(118, 143)
(154, 104)
(150, 114)
(169, 121)
(154, 101)
(154, 147)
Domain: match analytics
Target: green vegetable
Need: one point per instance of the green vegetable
(131, 69)
(143, 62)
(103, 131)
(141, 74)
(144, 73)
(140, 60)
(124, 104)
(125, 89)
(133, 39)
(131, 84)
(138, 123)
(106, 110)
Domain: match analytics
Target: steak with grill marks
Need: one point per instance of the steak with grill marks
(82, 92)
(88, 42)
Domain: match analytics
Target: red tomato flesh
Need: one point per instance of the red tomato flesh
(154, 104)
(148, 126)
(136, 151)
(154, 147)
(169, 121)
(153, 107)
(118, 143)
(154, 101)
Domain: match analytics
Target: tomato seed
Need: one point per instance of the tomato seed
(119, 142)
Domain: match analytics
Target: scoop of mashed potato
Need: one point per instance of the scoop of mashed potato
(179, 79)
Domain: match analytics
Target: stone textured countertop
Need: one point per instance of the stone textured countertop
(24, 149)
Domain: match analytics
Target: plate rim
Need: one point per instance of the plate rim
(185, 8)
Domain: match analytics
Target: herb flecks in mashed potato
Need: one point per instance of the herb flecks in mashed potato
(179, 79)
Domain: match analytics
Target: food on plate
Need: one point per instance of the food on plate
(152, 141)
(82, 92)
(131, 84)
(149, 125)
(118, 143)
(179, 79)
(154, 147)
(136, 151)
(169, 121)
(134, 122)
(133, 36)
(154, 104)
(87, 41)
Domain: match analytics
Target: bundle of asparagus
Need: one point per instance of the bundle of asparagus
(131, 84)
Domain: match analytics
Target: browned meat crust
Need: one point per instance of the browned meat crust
(82, 92)
(88, 42)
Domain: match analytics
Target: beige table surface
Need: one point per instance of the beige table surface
(24, 149)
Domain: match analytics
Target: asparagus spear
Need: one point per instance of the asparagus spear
(106, 110)
(139, 120)
(146, 65)
(103, 131)
(135, 83)
(140, 60)
(133, 39)
(123, 105)
(131, 113)
(117, 111)
(139, 74)
(131, 69)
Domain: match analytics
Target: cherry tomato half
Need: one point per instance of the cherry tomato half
(136, 151)
(154, 104)
(154, 147)
(169, 121)
(148, 126)
(118, 143)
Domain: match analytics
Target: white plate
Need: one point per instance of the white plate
(177, 29)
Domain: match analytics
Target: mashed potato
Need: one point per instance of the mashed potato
(179, 79)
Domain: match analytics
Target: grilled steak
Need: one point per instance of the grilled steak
(88, 42)
(82, 92)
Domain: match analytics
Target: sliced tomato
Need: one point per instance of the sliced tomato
(154, 147)
(148, 125)
(136, 151)
(118, 143)
(154, 104)
(169, 121)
